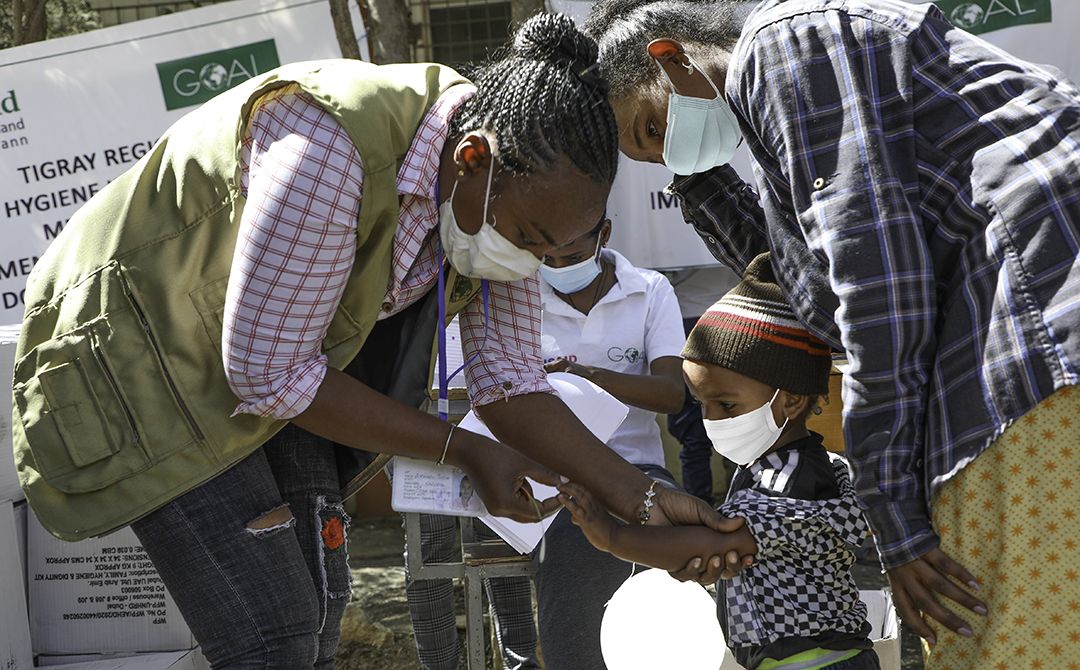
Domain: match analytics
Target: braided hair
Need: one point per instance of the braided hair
(545, 98)
(624, 28)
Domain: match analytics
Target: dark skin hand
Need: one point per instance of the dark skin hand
(659, 391)
(918, 586)
(615, 483)
(667, 548)
(497, 472)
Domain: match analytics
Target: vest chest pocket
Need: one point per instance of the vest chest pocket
(98, 403)
(80, 428)
(209, 302)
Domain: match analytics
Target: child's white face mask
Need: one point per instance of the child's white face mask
(743, 439)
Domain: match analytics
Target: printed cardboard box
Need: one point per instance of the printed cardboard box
(22, 512)
(15, 646)
(885, 627)
(99, 596)
(176, 660)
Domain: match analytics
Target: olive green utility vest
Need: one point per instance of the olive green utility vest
(120, 398)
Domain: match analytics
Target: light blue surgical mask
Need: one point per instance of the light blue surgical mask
(573, 278)
(701, 134)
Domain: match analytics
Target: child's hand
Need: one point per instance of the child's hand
(593, 520)
(739, 542)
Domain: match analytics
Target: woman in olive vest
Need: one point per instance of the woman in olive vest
(264, 284)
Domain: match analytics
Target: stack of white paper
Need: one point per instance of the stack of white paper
(422, 486)
(523, 536)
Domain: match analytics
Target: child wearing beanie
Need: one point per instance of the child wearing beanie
(758, 374)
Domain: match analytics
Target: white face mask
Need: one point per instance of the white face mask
(487, 254)
(701, 134)
(743, 439)
(573, 278)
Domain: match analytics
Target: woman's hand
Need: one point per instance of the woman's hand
(682, 509)
(563, 365)
(498, 474)
(917, 585)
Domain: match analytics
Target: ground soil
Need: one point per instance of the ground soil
(376, 633)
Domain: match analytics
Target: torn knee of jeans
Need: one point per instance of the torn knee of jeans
(333, 523)
(333, 529)
(276, 520)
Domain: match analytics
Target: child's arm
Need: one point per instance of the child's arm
(665, 547)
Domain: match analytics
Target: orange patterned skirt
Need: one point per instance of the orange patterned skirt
(1012, 518)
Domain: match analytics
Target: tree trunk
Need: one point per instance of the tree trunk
(343, 28)
(390, 31)
(522, 10)
(28, 21)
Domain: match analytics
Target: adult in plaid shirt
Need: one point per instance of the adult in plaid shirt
(918, 190)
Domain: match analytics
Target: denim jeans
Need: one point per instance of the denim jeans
(270, 598)
(573, 584)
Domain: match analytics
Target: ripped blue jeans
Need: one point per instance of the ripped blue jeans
(259, 590)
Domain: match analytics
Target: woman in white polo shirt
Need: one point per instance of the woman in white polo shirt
(620, 327)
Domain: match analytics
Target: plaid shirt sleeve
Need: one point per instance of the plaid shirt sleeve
(829, 103)
(724, 211)
(294, 252)
(507, 361)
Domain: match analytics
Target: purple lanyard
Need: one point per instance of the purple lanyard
(444, 379)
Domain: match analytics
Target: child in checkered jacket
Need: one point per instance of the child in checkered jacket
(758, 374)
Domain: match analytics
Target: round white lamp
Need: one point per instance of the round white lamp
(654, 621)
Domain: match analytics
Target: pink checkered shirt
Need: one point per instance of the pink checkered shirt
(303, 179)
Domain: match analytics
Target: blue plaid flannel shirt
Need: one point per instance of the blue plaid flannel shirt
(921, 196)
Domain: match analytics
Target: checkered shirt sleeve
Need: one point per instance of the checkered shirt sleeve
(508, 361)
(296, 244)
(801, 583)
(303, 179)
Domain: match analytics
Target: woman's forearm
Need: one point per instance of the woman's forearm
(656, 393)
(541, 426)
(351, 413)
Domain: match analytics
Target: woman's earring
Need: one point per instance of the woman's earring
(689, 67)
(460, 172)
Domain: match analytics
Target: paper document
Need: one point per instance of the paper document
(423, 486)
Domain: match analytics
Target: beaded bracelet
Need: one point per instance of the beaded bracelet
(446, 447)
(646, 512)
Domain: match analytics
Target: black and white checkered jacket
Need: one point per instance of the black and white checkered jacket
(805, 526)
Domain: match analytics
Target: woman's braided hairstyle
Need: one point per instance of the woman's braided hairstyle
(543, 98)
(624, 28)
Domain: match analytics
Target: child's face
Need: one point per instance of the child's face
(724, 393)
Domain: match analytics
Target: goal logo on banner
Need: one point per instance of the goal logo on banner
(983, 16)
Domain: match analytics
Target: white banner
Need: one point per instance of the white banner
(75, 112)
(1020, 27)
(647, 225)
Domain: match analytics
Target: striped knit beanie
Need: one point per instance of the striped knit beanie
(753, 331)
